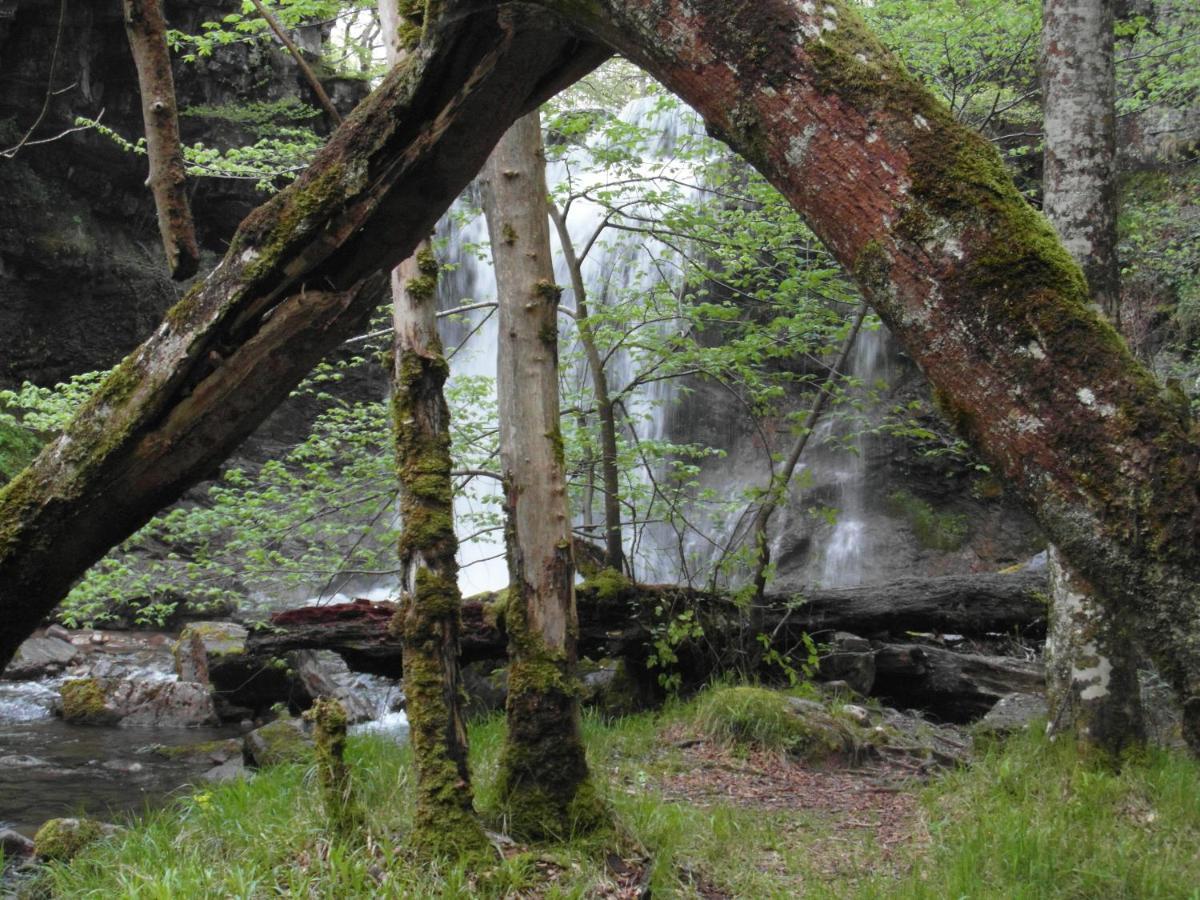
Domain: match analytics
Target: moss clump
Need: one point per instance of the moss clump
(607, 585)
(337, 790)
(427, 263)
(61, 840)
(279, 743)
(422, 288)
(84, 701)
(934, 530)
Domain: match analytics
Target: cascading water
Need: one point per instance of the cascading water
(850, 543)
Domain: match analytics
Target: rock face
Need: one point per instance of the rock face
(82, 279)
(137, 703)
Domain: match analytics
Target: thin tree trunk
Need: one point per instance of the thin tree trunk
(610, 476)
(428, 618)
(147, 32)
(778, 487)
(305, 69)
(545, 789)
(1091, 656)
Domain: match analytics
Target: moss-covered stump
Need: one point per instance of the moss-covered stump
(337, 791)
(60, 840)
(278, 743)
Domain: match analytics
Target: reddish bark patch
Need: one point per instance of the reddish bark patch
(357, 610)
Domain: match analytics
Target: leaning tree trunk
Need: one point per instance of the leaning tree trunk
(971, 280)
(544, 786)
(1091, 656)
(298, 280)
(147, 32)
(973, 283)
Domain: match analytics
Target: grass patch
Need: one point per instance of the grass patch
(1030, 819)
(1033, 819)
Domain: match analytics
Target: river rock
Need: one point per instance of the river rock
(202, 642)
(243, 683)
(61, 839)
(137, 704)
(14, 844)
(230, 770)
(279, 743)
(41, 656)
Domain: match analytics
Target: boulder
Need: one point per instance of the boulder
(230, 770)
(849, 659)
(137, 704)
(41, 656)
(61, 840)
(278, 743)
(201, 642)
(1012, 712)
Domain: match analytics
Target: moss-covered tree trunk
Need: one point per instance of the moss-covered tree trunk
(299, 278)
(1091, 655)
(971, 280)
(544, 785)
(147, 31)
(428, 618)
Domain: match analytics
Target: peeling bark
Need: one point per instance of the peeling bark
(544, 786)
(147, 32)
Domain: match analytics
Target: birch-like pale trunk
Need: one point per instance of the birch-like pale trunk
(544, 784)
(1091, 653)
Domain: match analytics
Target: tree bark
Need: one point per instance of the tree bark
(1092, 659)
(147, 31)
(297, 281)
(623, 623)
(544, 786)
(428, 618)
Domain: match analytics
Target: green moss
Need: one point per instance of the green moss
(934, 530)
(61, 840)
(508, 234)
(549, 293)
(279, 743)
(422, 288)
(872, 267)
(761, 719)
(608, 585)
(337, 790)
(84, 701)
(204, 750)
(427, 263)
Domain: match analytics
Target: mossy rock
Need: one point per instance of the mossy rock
(217, 751)
(754, 718)
(61, 840)
(278, 743)
(605, 586)
(200, 643)
(85, 701)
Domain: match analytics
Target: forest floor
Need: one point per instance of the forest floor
(696, 815)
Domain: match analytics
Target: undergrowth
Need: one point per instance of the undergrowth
(1029, 819)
